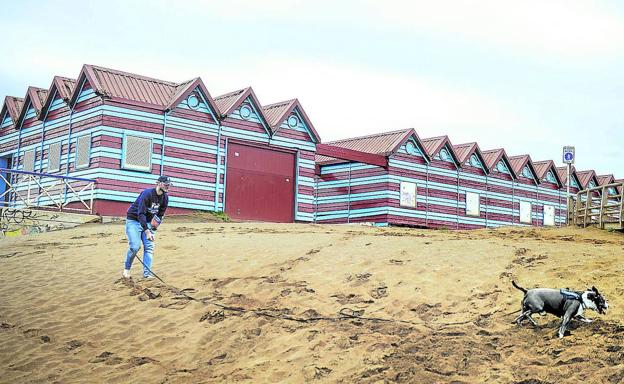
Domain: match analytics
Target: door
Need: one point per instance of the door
(4, 163)
(549, 215)
(260, 184)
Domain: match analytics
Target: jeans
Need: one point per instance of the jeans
(136, 236)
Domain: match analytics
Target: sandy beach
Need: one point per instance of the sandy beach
(305, 303)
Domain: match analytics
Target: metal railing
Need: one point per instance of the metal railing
(46, 191)
(598, 206)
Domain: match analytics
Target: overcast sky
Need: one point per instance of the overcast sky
(528, 76)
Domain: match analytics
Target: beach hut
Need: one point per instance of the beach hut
(473, 186)
(123, 130)
(525, 191)
(549, 193)
(500, 188)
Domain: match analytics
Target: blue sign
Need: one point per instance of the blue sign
(568, 155)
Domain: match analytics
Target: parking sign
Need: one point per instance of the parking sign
(568, 155)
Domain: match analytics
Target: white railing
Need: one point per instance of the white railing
(46, 191)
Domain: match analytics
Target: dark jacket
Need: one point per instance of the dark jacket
(146, 206)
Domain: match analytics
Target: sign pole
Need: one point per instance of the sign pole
(568, 159)
(568, 194)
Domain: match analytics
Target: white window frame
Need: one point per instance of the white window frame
(60, 150)
(524, 207)
(408, 194)
(133, 167)
(471, 199)
(76, 152)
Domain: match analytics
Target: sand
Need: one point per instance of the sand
(305, 303)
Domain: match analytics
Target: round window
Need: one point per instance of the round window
(245, 112)
(410, 148)
(293, 121)
(193, 101)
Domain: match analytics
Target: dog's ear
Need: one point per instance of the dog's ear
(594, 289)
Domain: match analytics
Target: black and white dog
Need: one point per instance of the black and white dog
(560, 302)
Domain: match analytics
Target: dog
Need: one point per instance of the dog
(563, 303)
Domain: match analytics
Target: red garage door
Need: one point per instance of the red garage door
(260, 184)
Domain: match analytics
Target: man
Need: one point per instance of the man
(142, 219)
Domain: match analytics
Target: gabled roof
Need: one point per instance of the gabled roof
(493, 156)
(542, 168)
(13, 105)
(433, 145)
(519, 162)
(35, 97)
(137, 89)
(230, 101)
(585, 177)
(605, 179)
(466, 150)
(275, 114)
(63, 86)
(384, 144)
(562, 172)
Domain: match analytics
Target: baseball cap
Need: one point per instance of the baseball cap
(164, 179)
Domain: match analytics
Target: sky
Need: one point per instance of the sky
(528, 76)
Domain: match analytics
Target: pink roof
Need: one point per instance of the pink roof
(275, 114)
(13, 105)
(381, 143)
(518, 162)
(542, 168)
(328, 154)
(562, 172)
(605, 179)
(64, 88)
(139, 90)
(463, 151)
(227, 101)
(585, 177)
(35, 97)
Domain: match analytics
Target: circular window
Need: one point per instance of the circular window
(411, 148)
(293, 121)
(245, 112)
(193, 101)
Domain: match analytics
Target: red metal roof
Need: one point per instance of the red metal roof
(13, 105)
(381, 143)
(542, 168)
(226, 101)
(463, 151)
(585, 177)
(64, 87)
(562, 172)
(492, 157)
(518, 162)
(35, 97)
(605, 179)
(328, 153)
(276, 113)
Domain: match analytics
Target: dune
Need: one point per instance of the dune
(265, 303)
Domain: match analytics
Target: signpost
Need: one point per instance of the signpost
(568, 159)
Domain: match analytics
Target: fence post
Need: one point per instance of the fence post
(603, 202)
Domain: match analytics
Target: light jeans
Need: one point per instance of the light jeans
(136, 236)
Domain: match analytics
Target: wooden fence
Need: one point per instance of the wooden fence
(602, 206)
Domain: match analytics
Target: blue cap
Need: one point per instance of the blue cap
(164, 179)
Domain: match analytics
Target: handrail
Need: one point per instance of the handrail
(46, 175)
(607, 208)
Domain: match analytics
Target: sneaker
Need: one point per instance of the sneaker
(148, 277)
(126, 274)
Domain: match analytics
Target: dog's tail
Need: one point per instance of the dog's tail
(518, 287)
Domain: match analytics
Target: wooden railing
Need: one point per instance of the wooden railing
(601, 206)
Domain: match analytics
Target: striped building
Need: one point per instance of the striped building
(232, 154)
(123, 130)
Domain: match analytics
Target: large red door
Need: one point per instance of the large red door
(260, 184)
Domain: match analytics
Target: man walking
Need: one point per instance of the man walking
(142, 220)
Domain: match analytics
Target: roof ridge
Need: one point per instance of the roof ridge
(370, 136)
(135, 75)
(278, 104)
(230, 94)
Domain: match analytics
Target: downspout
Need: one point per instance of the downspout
(487, 198)
(427, 196)
(349, 196)
(457, 205)
(513, 201)
(41, 155)
(217, 181)
(162, 147)
(296, 187)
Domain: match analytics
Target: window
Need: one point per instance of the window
(550, 177)
(245, 112)
(410, 148)
(293, 122)
(549, 215)
(137, 153)
(445, 155)
(473, 206)
(29, 161)
(83, 151)
(54, 157)
(193, 101)
(525, 212)
(591, 184)
(501, 167)
(526, 172)
(408, 194)
(474, 161)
